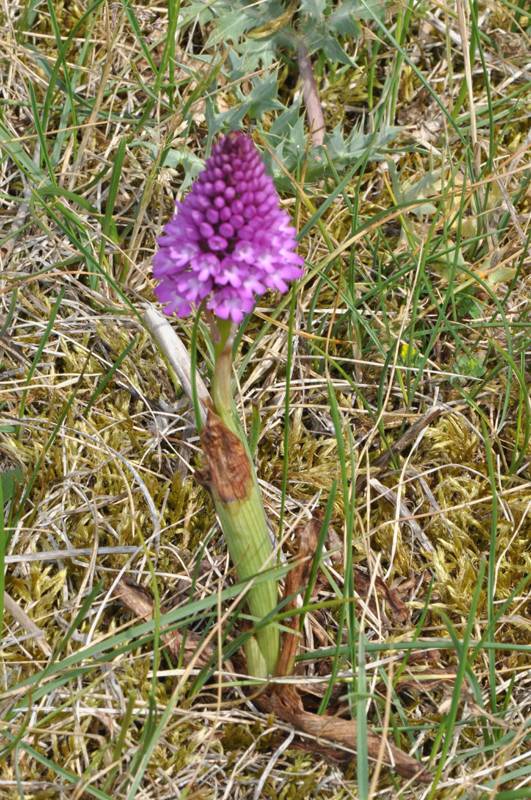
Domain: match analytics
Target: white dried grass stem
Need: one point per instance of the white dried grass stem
(177, 356)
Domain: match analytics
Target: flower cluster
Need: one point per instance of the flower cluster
(228, 241)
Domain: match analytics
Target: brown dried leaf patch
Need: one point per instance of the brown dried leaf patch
(228, 470)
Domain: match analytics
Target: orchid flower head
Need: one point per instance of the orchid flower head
(229, 242)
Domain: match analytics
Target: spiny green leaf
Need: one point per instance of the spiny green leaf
(230, 27)
(314, 8)
(174, 158)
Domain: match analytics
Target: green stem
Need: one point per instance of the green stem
(244, 522)
(222, 382)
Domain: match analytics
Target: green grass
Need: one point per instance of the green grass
(415, 296)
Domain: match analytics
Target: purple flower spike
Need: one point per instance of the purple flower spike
(228, 241)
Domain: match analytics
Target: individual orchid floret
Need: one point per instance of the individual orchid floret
(228, 242)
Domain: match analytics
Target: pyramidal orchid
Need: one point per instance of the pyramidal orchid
(229, 243)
